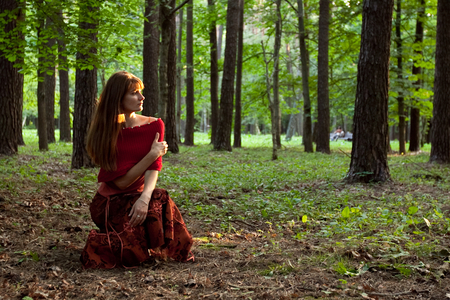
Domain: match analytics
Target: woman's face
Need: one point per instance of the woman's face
(133, 101)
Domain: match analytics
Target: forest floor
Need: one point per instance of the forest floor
(286, 229)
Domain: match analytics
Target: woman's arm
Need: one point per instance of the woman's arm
(139, 210)
(158, 149)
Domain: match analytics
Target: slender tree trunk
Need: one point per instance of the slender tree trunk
(50, 84)
(20, 53)
(237, 101)
(223, 137)
(171, 119)
(219, 41)
(150, 59)
(307, 125)
(400, 98)
(370, 121)
(190, 117)
(440, 129)
(414, 144)
(85, 85)
(9, 92)
(179, 73)
(64, 110)
(42, 107)
(323, 101)
(275, 107)
(214, 81)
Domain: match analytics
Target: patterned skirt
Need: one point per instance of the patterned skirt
(122, 245)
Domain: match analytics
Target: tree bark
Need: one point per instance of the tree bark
(64, 108)
(237, 143)
(414, 140)
(50, 84)
(179, 73)
(85, 86)
(171, 117)
(440, 129)
(400, 98)
(307, 123)
(214, 81)
(223, 137)
(9, 93)
(323, 101)
(370, 121)
(190, 118)
(150, 59)
(219, 41)
(42, 107)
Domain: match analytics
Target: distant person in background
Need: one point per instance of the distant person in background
(338, 133)
(134, 217)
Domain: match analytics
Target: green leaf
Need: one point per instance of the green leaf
(346, 212)
(412, 210)
(304, 218)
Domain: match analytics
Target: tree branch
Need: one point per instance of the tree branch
(178, 7)
(296, 11)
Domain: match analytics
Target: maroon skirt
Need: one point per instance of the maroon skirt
(163, 231)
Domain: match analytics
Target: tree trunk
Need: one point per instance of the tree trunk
(370, 121)
(414, 144)
(179, 73)
(323, 101)
(275, 105)
(440, 129)
(214, 81)
(50, 84)
(85, 86)
(190, 118)
(150, 59)
(219, 41)
(307, 130)
(42, 107)
(64, 110)
(223, 137)
(400, 98)
(171, 118)
(9, 93)
(237, 105)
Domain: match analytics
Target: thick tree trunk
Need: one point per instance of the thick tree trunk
(440, 129)
(214, 81)
(414, 141)
(190, 118)
(223, 137)
(323, 101)
(9, 92)
(171, 118)
(370, 122)
(179, 73)
(85, 87)
(150, 59)
(64, 109)
(237, 101)
(307, 123)
(400, 98)
(50, 84)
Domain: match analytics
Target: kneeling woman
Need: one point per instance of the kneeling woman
(132, 215)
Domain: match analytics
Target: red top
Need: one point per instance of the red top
(132, 145)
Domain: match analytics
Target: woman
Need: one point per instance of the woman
(132, 215)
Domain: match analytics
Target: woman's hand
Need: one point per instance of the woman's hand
(139, 211)
(158, 148)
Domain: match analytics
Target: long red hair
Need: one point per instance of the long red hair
(106, 125)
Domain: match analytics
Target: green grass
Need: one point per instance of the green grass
(300, 195)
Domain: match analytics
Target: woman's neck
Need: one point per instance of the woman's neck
(129, 119)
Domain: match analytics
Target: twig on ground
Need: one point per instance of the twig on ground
(398, 294)
(255, 287)
(246, 223)
(344, 152)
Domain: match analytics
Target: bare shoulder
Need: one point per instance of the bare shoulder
(145, 120)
